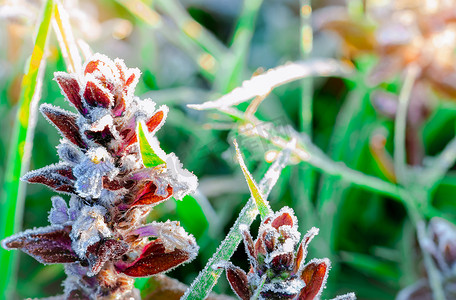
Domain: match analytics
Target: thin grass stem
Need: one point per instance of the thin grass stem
(13, 194)
(234, 66)
(205, 62)
(67, 43)
(197, 33)
(207, 278)
(400, 164)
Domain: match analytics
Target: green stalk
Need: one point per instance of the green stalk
(305, 46)
(413, 194)
(400, 165)
(13, 194)
(234, 66)
(205, 61)
(207, 278)
(193, 29)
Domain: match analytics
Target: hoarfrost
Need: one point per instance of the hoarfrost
(90, 172)
(89, 228)
(183, 181)
(69, 153)
(172, 235)
(289, 287)
(262, 84)
(349, 296)
(206, 279)
(58, 214)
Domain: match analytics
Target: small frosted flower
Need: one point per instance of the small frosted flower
(442, 246)
(277, 267)
(101, 235)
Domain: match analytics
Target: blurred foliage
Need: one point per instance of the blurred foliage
(368, 237)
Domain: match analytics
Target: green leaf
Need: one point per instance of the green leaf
(148, 150)
(262, 204)
(191, 216)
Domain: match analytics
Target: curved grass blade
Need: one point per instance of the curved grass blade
(208, 277)
(262, 204)
(264, 83)
(65, 37)
(205, 61)
(12, 196)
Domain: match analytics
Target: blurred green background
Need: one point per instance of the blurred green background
(368, 237)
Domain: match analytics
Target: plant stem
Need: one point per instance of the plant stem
(205, 62)
(207, 278)
(411, 202)
(307, 83)
(234, 66)
(400, 164)
(197, 33)
(13, 194)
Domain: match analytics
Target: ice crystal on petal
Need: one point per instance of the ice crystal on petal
(172, 235)
(183, 181)
(89, 228)
(59, 212)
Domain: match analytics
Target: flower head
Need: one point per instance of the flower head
(101, 235)
(277, 267)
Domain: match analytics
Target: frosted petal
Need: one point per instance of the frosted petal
(59, 212)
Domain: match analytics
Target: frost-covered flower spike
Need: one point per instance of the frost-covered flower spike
(277, 263)
(112, 166)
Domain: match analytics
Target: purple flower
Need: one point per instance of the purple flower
(102, 236)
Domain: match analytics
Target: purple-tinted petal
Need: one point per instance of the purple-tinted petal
(48, 245)
(71, 89)
(282, 261)
(249, 246)
(103, 137)
(259, 246)
(59, 211)
(154, 259)
(65, 123)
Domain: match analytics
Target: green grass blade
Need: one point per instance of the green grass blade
(400, 164)
(262, 204)
(234, 66)
(207, 278)
(306, 105)
(206, 62)
(197, 33)
(12, 196)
